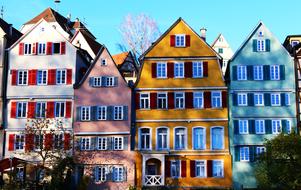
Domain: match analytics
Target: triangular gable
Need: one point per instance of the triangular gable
(214, 42)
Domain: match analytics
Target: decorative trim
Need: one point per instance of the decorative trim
(102, 133)
(181, 58)
(261, 90)
(187, 88)
(42, 97)
(181, 120)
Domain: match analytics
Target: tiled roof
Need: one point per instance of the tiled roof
(119, 58)
(15, 35)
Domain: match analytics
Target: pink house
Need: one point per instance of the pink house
(102, 126)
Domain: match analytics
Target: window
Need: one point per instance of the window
(197, 69)
(244, 154)
(56, 48)
(97, 81)
(85, 143)
(22, 77)
(274, 72)
(287, 99)
(242, 99)
(179, 100)
(41, 48)
(59, 109)
(145, 139)
(258, 99)
(180, 40)
(38, 142)
(144, 101)
(218, 168)
(294, 43)
(118, 112)
(19, 142)
(199, 138)
(40, 109)
(180, 138)
(258, 72)
(61, 76)
(109, 81)
(259, 127)
(42, 77)
(162, 138)
(276, 126)
(220, 50)
(216, 100)
(161, 70)
(241, 72)
(21, 109)
(260, 150)
(58, 141)
(101, 173)
(85, 113)
(198, 100)
(175, 167)
(27, 49)
(118, 173)
(103, 62)
(288, 126)
(19, 171)
(260, 45)
(260, 34)
(118, 143)
(102, 143)
(101, 112)
(162, 100)
(275, 99)
(200, 168)
(179, 70)
(243, 126)
(217, 138)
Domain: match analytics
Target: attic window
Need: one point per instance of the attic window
(180, 40)
(56, 48)
(103, 62)
(295, 42)
(260, 34)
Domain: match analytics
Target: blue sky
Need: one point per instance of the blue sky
(234, 18)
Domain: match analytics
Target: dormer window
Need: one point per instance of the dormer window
(295, 42)
(103, 62)
(180, 40)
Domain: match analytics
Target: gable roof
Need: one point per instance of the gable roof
(12, 34)
(214, 42)
(120, 58)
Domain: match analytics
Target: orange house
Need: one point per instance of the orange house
(181, 114)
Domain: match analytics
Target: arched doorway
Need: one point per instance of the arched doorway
(153, 167)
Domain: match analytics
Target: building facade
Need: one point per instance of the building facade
(262, 100)
(181, 114)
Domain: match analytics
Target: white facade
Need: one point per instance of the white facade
(79, 41)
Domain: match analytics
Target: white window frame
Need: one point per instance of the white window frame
(260, 98)
(244, 154)
(258, 126)
(175, 164)
(221, 163)
(241, 72)
(19, 146)
(162, 99)
(97, 81)
(102, 143)
(61, 76)
(182, 147)
(41, 48)
(22, 104)
(22, 80)
(118, 143)
(199, 164)
(203, 141)
(110, 81)
(87, 115)
(41, 113)
(180, 40)
(275, 72)
(28, 49)
(242, 99)
(40, 78)
(141, 137)
(198, 100)
(197, 69)
(179, 99)
(211, 137)
(287, 99)
(101, 173)
(145, 100)
(276, 129)
(261, 46)
(118, 113)
(243, 126)
(258, 72)
(85, 143)
(101, 112)
(59, 104)
(160, 66)
(215, 99)
(120, 175)
(274, 96)
(103, 62)
(179, 70)
(167, 139)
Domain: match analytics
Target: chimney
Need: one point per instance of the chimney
(77, 20)
(69, 17)
(203, 33)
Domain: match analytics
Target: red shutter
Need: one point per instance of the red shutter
(14, 75)
(207, 99)
(13, 110)
(21, 49)
(189, 99)
(224, 99)
(183, 168)
(67, 138)
(153, 100)
(11, 142)
(50, 110)
(34, 49)
(49, 48)
(187, 41)
(68, 109)
(171, 100)
(31, 109)
(205, 69)
(29, 142)
(167, 168)
(154, 70)
(170, 70)
(172, 40)
(69, 76)
(63, 47)
(32, 77)
(192, 168)
(48, 141)
(137, 100)
(188, 69)
(209, 168)
(51, 76)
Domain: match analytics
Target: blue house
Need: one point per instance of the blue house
(261, 100)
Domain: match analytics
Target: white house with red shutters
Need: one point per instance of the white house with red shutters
(42, 67)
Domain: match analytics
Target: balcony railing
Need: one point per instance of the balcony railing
(153, 180)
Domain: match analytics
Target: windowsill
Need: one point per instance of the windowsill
(198, 77)
(275, 105)
(242, 79)
(42, 84)
(180, 46)
(201, 177)
(258, 79)
(259, 105)
(275, 79)
(246, 161)
(162, 109)
(161, 77)
(217, 108)
(243, 133)
(22, 84)
(218, 176)
(179, 108)
(179, 77)
(199, 108)
(259, 133)
(199, 149)
(242, 105)
(145, 109)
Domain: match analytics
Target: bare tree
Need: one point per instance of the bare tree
(138, 33)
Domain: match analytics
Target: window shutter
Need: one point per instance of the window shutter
(267, 45)
(93, 115)
(171, 100)
(251, 126)
(170, 69)
(189, 99)
(209, 168)
(267, 99)
(115, 81)
(183, 168)
(205, 69)
(49, 48)
(91, 81)
(125, 143)
(234, 72)
(63, 48)
(207, 99)
(31, 109)
(249, 72)
(252, 153)
(29, 142)
(32, 77)
(237, 153)
(13, 110)
(153, 100)
(110, 113)
(103, 81)
(172, 40)
(48, 141)
(187, 40)
(224, 99)
(188, 69)
(68, 109)
(192, 168)
(234, 99)
(52, 76)
(154, 70)
(250, 99)
(125, 113)
(109, 143)
(254, 45)
(284, 126)
(93, 145)
(11, 142)
(167, 169)
(50, 110)
(137, 106)
(69, 76)
(282, 99)
(236, 127)
(78, 113)
(268, 126)
(67, 139)
(14, 77)
(266, 72)
(34, 49)
(21, 49)
(282, 72)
